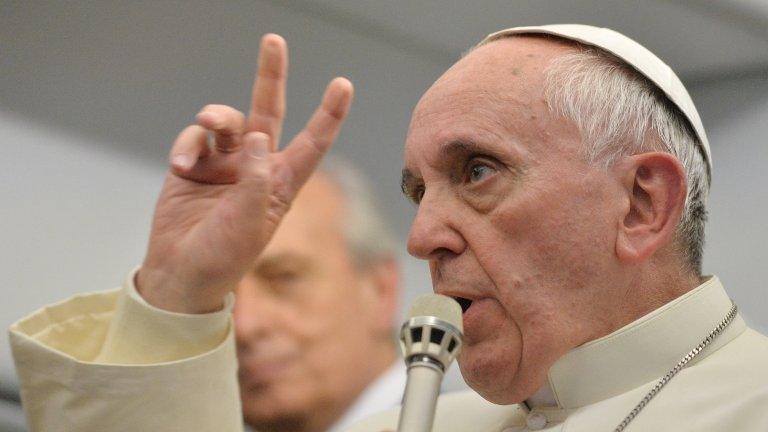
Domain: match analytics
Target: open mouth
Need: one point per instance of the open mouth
(464, 303)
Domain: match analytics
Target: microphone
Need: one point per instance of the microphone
(430, 339)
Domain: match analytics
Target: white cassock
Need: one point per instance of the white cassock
(110, 362)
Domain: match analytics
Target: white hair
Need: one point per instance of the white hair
(620, 112)
(364, 228)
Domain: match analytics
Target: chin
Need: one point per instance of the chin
(494, 377)
(273, 402)
(277, 422)
(263, 416)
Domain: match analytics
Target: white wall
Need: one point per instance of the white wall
(75, 217)
(735, 112)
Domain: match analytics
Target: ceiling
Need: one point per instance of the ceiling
(699, 38)
(102, 68)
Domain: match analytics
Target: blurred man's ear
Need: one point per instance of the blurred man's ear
(383, 285)
(655, 187)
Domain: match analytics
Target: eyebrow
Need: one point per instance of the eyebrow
(461, 148)
(453, 149)
(294, 259)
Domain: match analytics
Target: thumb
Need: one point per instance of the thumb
(250, 196)
(255, 164)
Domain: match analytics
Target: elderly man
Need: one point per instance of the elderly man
(560, 183)
(314, 318)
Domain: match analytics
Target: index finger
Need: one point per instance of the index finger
(268, 96)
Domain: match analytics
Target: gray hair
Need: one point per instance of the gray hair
(367, 234)
(619, 112)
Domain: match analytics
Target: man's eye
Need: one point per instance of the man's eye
(478, 171)
(415, 194)
(282, 276)
(419, 194)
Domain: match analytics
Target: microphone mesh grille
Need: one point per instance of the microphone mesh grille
(440, 306)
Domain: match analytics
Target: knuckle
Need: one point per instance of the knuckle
(271, 73)
(269, 112)
(336, 114)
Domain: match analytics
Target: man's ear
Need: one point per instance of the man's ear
(383, 283)
(656, 188)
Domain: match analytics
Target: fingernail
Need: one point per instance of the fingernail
(258, 144)
(182, 161)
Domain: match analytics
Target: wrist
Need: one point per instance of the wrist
(169, 293)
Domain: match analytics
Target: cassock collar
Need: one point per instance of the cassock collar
(644, 350)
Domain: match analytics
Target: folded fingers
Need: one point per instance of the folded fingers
(190, 145)
(226, 124)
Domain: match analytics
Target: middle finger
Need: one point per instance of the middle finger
(268, 97)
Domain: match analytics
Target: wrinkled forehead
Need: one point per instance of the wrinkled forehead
(500, 67)
(496, 87)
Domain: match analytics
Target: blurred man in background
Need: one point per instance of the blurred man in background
(314, 317)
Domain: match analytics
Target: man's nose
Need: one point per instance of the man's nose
(434, 231)
(251, 313)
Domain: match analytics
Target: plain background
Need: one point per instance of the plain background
(93, 93)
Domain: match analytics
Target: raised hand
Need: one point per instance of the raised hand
(223, 200)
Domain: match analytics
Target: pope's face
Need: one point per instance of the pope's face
(511, 217)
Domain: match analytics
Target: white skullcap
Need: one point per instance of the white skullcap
(634, 55)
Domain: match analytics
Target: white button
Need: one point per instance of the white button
(536, 421)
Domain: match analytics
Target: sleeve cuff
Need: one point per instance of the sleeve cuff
(140, 333)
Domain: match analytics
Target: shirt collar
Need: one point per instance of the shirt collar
(643, 350)
(382, 394)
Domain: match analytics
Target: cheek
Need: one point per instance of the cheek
(552, 237)
(331, 324)
(491, 355)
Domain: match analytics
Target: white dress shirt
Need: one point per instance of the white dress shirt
(383, 394)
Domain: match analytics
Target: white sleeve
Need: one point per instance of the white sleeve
(108, 361)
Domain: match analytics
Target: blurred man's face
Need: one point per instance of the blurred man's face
(307, 320)
(510, 216)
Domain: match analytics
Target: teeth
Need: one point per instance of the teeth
(464, 303)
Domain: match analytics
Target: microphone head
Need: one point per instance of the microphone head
(433, 330)
(439, 306)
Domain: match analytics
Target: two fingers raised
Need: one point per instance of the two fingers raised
(190, 154)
